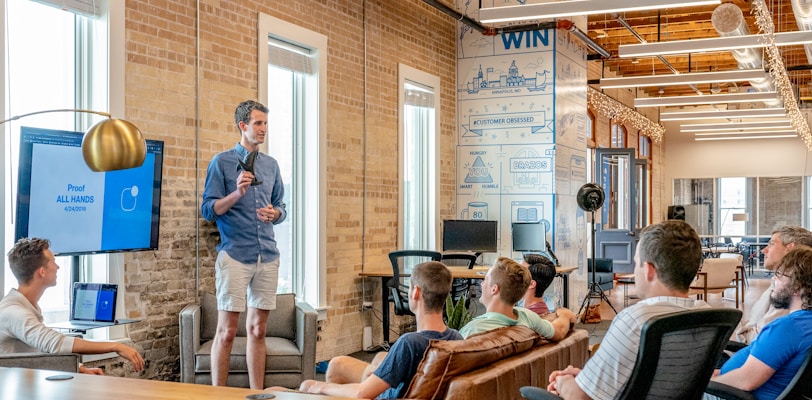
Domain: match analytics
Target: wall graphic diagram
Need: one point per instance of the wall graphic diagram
(521, 152)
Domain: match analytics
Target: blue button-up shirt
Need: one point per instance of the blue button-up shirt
(242, 235)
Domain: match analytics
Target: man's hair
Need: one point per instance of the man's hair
(542, 270)
(26, 257)
(794, 234)
(674, 249)
(243, 111)
(512, 279)
(797, 265)
(434, 280)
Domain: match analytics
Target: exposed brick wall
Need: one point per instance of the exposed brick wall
(160, 99)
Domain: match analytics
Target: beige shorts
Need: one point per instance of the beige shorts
(235, 280)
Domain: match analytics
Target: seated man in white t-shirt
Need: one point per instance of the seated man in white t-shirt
(503, 286)
(667, 259)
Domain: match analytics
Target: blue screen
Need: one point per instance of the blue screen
(80, 211)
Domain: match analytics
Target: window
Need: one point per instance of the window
(618, 136)
(72, 65)
(292, 83)
(644, 147)
(732, 203)
(591, 140)
(418, 146)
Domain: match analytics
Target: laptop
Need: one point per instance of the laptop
(93, 305)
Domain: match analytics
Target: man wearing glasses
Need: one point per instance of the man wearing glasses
(762, 313)
(772, 359)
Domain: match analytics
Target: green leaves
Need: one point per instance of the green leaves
(457, 315)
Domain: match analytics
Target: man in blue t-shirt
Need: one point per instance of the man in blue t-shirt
(769, 363)
(429, 286)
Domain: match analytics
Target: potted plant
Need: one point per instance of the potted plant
(457, 315)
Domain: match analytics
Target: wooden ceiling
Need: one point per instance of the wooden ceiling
(691, 23)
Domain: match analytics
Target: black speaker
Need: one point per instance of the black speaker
(676, 212)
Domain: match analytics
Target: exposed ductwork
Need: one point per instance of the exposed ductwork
(488, 31)
(728, 20)
(803, 17)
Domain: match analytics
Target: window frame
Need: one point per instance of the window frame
(311, 245)
(415, 76)
(107, 96)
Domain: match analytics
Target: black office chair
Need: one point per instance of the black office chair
(460, 286)
(676, 358)
(402, 263)
(800, 387)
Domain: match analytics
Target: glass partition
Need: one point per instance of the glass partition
(739, 207)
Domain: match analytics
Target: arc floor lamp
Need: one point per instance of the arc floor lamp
(109, 145)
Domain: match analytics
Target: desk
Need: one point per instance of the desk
(477, 272)
(30, 384)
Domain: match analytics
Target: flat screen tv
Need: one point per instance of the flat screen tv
(469, 235)
(529, 237)
(61, 199)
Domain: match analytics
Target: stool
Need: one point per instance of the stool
(626, 280)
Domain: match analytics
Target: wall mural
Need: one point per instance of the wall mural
(521, 149)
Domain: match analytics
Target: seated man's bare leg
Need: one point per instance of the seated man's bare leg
(345, 369)
(371, 367)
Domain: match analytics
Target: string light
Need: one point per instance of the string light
(775, 65)
(615, 110)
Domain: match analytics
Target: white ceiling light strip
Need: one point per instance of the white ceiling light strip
(777, 132)
(786, 124)
(711, 44)
(745, 137)
(684, 79)
(716, 114)
(707, 99)
(572, 8)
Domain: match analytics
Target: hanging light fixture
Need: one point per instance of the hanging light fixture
(109, 145)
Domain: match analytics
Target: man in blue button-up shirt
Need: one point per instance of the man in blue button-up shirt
(243, 195)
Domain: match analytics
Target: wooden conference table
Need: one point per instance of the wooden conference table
(478, 272)
(30, 384)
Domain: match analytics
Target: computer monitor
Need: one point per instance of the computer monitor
(469, 235)
(529, 237)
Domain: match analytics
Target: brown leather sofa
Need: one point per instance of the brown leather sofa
(494, 364)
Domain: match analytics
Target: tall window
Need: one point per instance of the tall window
(732, 204)
(618, 136)
(644, 147)
(293, 86)
(57, 57)
(419, 128)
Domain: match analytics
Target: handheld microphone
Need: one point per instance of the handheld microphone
(550, 252)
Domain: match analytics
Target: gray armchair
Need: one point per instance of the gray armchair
(68, 362)
(290, 341)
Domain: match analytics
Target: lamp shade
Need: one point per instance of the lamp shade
(113, 144)
(742, 217)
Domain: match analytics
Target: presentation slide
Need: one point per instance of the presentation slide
(85, 304)
(82, 211)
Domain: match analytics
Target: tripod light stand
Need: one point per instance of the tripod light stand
(590, 198)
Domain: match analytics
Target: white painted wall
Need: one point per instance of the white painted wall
(687, 158)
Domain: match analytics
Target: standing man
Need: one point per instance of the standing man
(349, 377)
(666, 261)
(763, 311)
(21, 327)
(504, 285)
(243, 196)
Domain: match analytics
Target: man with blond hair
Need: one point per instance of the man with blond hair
(504, 285)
